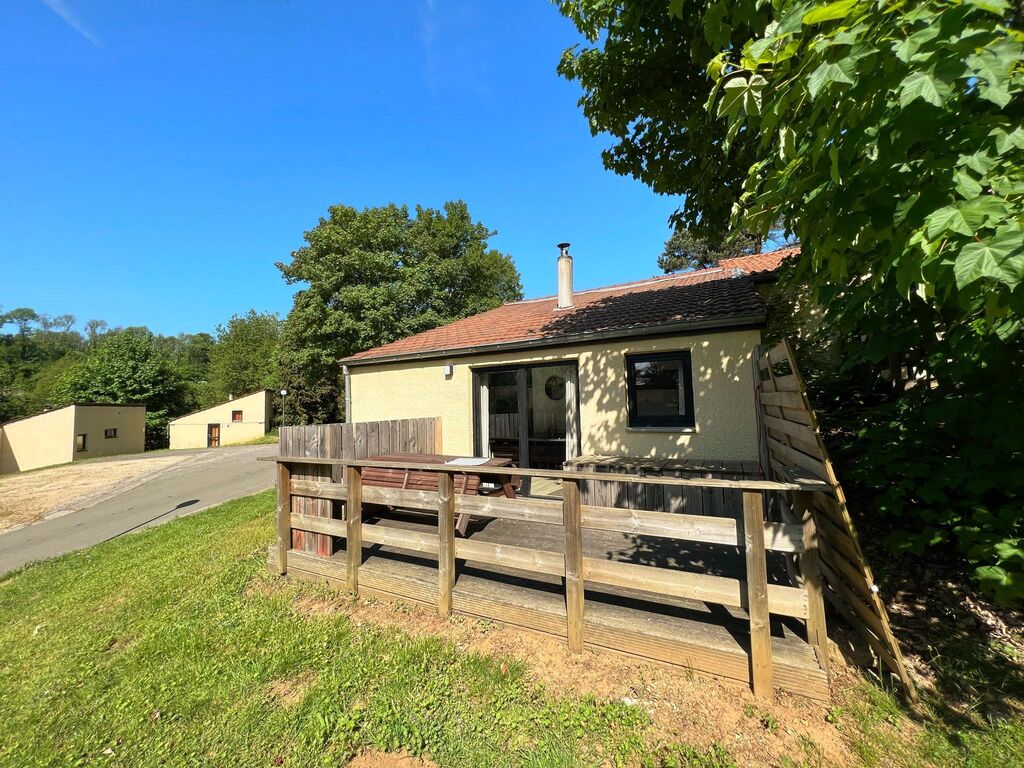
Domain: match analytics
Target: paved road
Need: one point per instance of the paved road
(205, 478)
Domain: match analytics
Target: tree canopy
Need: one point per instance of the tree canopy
(889, 138)
(375, 275)
(126, 367)
(245, 355)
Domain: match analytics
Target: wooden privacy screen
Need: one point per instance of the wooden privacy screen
(356, 440)
(794, 440)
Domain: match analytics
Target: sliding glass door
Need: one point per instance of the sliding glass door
(528, 414)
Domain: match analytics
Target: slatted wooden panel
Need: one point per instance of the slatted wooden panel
(356, 440)
(714, 502)
(794, 442)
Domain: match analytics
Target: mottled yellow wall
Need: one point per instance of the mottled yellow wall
(38, 441)
(49, 438)
(257, 411)
(723, 395)
(93, 420)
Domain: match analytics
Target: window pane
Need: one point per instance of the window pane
(657, 388)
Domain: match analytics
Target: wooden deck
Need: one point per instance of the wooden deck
(712, 640)
(707, 592)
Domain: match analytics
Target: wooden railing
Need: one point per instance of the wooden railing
(753, 535)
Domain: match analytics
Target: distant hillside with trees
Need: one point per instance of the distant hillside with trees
(52, 361)
(369, 277)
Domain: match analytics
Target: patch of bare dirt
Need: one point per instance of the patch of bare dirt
(289, 691)
(683, 706)
(29, 497)
(403, 759)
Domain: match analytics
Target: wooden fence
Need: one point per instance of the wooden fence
(794, 440)
(355, 440)
(760, 659)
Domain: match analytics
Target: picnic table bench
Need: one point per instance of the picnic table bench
(465, 482)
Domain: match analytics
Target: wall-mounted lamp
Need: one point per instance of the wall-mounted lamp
(449, 370)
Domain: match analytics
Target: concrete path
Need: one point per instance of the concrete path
(206, 478)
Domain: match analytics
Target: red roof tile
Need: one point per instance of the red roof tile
(706, 296)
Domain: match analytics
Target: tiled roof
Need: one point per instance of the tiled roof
(703, 297)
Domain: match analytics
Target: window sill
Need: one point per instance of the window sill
(680, 430)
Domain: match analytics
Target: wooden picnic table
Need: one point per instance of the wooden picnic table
(466, 482)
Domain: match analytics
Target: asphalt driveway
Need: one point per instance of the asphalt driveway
(206, 478)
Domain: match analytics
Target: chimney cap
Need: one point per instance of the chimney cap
(564, 246)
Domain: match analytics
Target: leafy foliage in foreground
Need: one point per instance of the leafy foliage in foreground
(889, 139)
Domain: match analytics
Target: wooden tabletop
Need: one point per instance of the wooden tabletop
(440, 458)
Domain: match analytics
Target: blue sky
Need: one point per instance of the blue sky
(157, 158)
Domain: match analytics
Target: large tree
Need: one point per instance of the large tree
(375, 275)
(644, 85)
(127, 367)
(889, 138)
(245, 357)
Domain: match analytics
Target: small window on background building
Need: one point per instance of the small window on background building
(111, 432)
(79, 442)
(660, 388)
(236, 415)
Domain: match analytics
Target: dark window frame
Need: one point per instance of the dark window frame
(679, 422)
(109, 432)
(83, 446)
(236, 413)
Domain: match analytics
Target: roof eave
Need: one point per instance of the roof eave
(755, 319)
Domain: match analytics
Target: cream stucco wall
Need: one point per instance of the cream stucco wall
(94, 420)
(723, 395)
(49, 438)
(190, 431)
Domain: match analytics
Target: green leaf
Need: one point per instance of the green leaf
(828, 73)
(999, 258)
(965, 218)
(829, 12)
(995, 7)
(922, 85)
(992, 66)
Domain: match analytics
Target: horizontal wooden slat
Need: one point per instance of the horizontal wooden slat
(787, 455)
(779, 537)
(777, 354)
(703, 482)
(523, 558)
(318, 524)
(799, 431)
(787, 383)
(531, 510)
(389, 536)
(319, 489)
(783, 399)
(784, 601)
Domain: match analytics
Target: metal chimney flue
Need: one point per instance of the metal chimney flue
(564, 277)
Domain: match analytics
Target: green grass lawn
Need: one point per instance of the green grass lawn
(162, 649)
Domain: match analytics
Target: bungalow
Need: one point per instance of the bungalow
(72, 433)
(661, 367)
(236, 420)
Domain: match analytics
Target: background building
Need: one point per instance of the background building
(74, 432)
(238, 420)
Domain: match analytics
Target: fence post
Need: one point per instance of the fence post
(284, 515)
(810, 569)
(354, 526)
(572, 521)
(761, 672)
(446, 542)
